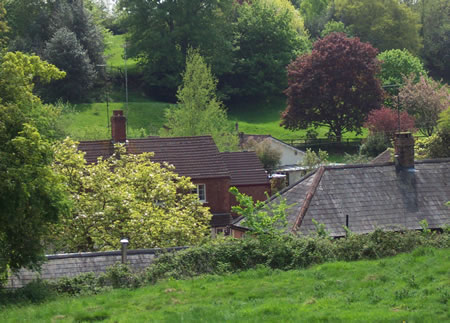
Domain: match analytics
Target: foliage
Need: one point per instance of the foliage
(268, 35)
(424, 100)
(336, 27)
(377, 290)
(268, 155)
(385, 120)
(18, 73)
(312, 160)
(398, 64)
(375, 144)
(386, 24)
(435, 19)
(199, 112)
(4, 29)
(35, 23)
(125, 195)
(32, 196)
(64, 51)
(261, 218)
(315, 14)
(335, 85)
(161, 32)
(436, 145)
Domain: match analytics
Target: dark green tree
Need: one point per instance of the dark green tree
(64, 51)
(162, 31)
(269, 34)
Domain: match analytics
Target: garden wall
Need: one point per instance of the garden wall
(72, 264)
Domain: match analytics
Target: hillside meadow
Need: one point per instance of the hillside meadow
(413, 287)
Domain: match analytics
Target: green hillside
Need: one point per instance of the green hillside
(411, 287)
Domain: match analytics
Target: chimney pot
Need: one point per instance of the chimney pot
(118, 126)
(404, 149)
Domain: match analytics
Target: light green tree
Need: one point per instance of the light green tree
(262, 218)
(396, 65)
(31, 194)
(199, 111)
(128, 196)
(312, 160)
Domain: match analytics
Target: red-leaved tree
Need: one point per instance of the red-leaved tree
(385, 120)
(335, 85)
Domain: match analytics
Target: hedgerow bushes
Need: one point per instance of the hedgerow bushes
(225, 255)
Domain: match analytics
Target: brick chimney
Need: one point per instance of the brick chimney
(404, 150)
(118, 126)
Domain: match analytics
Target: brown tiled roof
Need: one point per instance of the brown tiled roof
(372, 195)
(245, 168)
(196, 157)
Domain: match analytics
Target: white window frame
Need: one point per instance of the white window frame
(197, 191)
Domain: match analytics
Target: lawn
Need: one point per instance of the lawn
(114, 52)
(412, 287)
(89, 121)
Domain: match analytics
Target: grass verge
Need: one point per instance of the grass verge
(411, 287)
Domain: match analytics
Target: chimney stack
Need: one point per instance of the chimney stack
(404, 150)
(118, 127)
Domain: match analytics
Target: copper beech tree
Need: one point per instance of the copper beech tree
(335, 86)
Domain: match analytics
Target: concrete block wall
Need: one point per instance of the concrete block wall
(69, 265)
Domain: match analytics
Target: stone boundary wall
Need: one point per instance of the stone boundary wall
(72, 264)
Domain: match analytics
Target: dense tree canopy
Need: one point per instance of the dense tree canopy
(335, 85)
(162, 31)
(31, 194)
(198, 111)
(269, 34)
(386, 24)
(127, 196)
(436, 36)
(37, 25)
(65, 51)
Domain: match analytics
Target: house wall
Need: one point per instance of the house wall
(289, 155)
(217, 195)
(255, 191)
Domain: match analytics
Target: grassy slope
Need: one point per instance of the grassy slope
(410, 287)
(89, 121)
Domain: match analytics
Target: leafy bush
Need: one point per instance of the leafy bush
(385, 120)
(375, 144)
(228, 255)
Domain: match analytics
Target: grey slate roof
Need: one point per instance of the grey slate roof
(372, 195)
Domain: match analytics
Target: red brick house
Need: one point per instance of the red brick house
(198, 158)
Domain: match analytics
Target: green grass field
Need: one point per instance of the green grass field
(411, 287)
(114, 52)
(89, 121)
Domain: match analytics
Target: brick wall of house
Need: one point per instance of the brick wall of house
(256, 191)
(217, 196)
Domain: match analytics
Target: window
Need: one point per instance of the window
(200, 190)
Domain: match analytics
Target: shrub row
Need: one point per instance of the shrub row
(225, 255)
